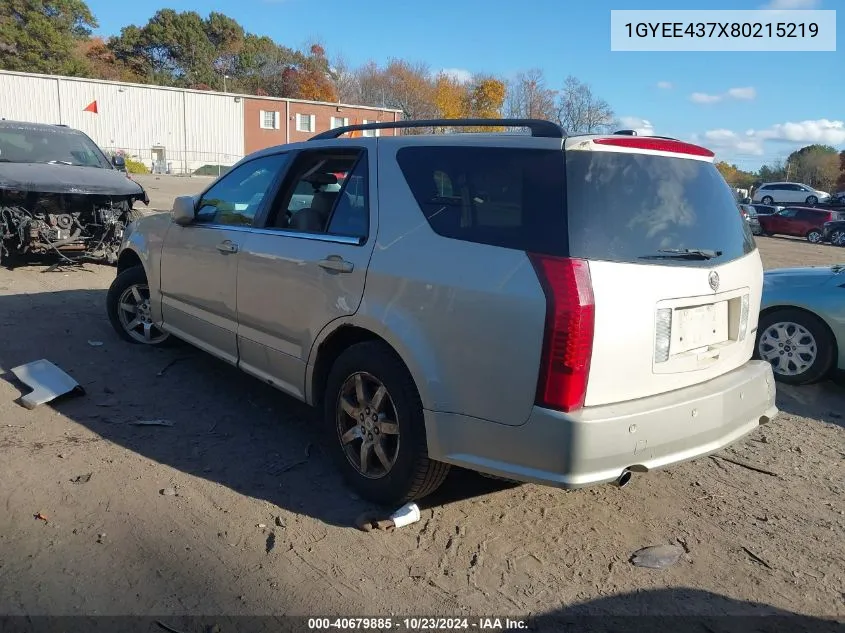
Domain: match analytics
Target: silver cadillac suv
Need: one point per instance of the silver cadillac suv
(559, 310)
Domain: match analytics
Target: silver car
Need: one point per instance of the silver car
(559, 310)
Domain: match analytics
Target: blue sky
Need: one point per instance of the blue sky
(750, 107)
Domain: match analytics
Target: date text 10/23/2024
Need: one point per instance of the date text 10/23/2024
(410, 624)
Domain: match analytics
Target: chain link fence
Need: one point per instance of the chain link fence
(160, 160)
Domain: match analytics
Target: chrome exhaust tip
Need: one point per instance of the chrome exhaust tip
(624, 478)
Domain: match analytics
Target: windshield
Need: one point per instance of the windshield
(46, 145)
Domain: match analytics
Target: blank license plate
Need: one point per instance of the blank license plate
(697, 327)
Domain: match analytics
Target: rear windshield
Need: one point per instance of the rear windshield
(593, 205)
(640, 208)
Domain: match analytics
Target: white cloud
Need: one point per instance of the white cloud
(743, 94)
(791, 134)
(664, 85)
(458, 74)
(778, 5)
(822, 131)
(703, 97)
(643, 127)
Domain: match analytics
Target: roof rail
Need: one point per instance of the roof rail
(538, 127)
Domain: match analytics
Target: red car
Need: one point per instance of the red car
(799, 222)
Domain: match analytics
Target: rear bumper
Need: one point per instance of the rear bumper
(596, 445)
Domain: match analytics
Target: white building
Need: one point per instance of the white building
(171, 130)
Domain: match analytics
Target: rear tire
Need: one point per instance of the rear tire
(767, 200)
(814, 237)
(353, 422)
(798, 344)
(837, 238)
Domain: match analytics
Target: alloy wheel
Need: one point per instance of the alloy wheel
(367, 425)
(135, 315)
(789, 347)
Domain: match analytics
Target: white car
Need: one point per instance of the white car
(790, 192)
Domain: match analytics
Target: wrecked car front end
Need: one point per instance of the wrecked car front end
(41, 212)
(61, 195)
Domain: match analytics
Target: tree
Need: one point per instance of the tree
(227, 39)
(451, 97)
(736, 177)
(41, 35)
(312, 80)
(840, 181)
(581, 112)
(815, 165)
(100, 61)
(261, 66)
(529, 97)
(487, 97)
(346, 84)
(172, 48)
(772, 173)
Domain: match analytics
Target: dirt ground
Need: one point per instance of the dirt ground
(235, 509)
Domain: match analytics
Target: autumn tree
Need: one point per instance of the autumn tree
(815, 165)
(734, 176)
(487, 98)
(100, 61)
(579, 111)
(451, 97)
(41, 36)
(312, 79)
(529, 97)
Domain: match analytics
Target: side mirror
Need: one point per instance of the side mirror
(118, 162)
(184, 210)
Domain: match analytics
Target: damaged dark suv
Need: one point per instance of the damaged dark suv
(60, 194)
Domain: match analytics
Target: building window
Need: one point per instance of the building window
(306, 122)
(370, 132)
(269, 120)
(338, 121)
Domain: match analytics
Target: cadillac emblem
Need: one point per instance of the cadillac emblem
(713, 280)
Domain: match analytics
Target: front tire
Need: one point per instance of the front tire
(767, 200)
(812, 200)
(128, 307)
(837, 238)
(375, 416)
(798, 345)
(814, 237)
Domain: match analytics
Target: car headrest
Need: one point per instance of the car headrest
(323, 201)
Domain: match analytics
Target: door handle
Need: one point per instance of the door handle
(337, 264)
(227, 246)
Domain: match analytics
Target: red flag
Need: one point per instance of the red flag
(91, 107)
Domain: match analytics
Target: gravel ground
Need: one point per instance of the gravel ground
(235, 509)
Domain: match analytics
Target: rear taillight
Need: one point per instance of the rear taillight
(656, 144)
(568, 338)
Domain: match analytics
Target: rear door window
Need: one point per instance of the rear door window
(513, 198)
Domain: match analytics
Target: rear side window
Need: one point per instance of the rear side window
(639, 208)
(513, 198)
